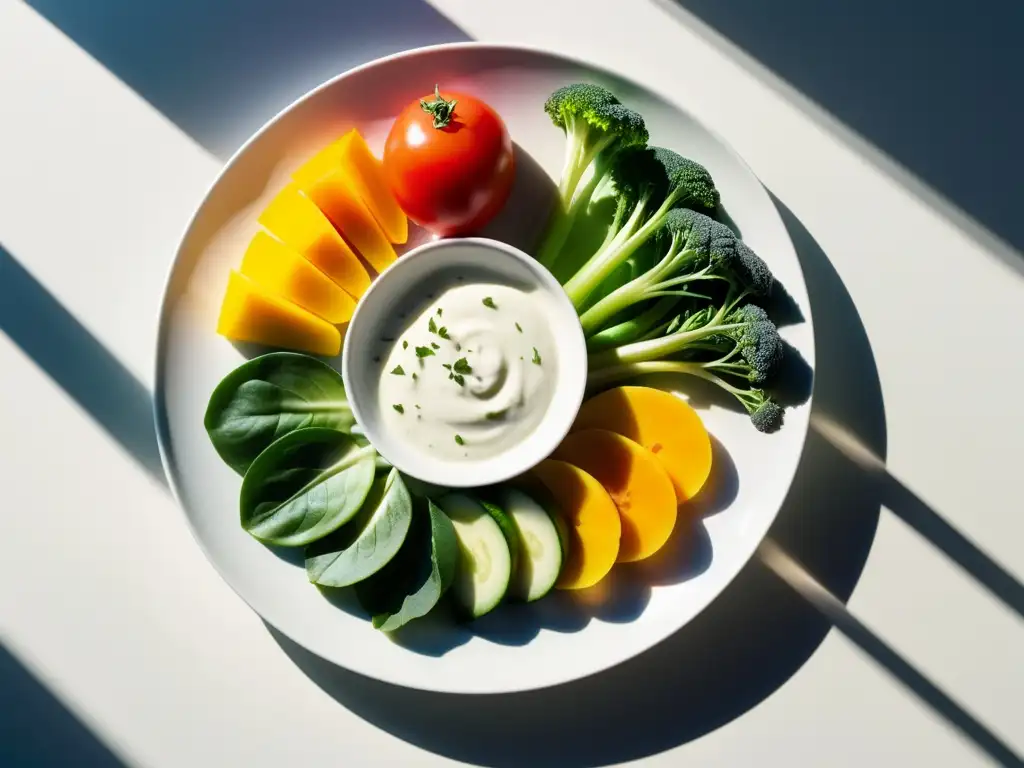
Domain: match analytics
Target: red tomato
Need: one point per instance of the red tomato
(448, 160)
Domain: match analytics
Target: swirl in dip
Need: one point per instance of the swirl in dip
(471, 371)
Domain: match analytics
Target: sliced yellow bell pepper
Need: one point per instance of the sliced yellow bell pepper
(284, 272)
(335, 195)
(253, 314)
(351, 153)
(295, 220)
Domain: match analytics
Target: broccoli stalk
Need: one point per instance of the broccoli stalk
(642, 326)
(742, 344)
(649, 182)
(709, 329)
(578, 110)
(596, 125)
(698, 248)
(765, 414)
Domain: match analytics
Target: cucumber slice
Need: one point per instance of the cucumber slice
(541, 544)
(485, 563)
(508, 529)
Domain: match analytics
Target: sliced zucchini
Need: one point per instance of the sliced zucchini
(541, 544)
(485, 563)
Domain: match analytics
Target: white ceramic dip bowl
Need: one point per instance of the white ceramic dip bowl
(475, 395)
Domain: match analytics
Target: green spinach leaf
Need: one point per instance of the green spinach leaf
(269, 396)
(414, 581)
(367, 543)
(305, 485)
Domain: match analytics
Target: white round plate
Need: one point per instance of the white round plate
(564, 636)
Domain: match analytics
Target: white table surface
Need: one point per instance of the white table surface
(112, 609)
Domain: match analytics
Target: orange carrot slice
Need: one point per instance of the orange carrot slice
(663, 424)
(593, 522)
(637, 483)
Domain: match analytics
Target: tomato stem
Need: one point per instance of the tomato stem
(441, 110)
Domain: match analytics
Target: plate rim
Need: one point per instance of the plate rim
(159, 412)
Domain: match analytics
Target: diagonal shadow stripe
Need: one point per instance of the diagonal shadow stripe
(924, 90)
(62, 347)
(220, 68)
(910, 508)
(37, 730)
(790, 571)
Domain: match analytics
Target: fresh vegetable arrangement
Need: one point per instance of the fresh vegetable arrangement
(669, 289)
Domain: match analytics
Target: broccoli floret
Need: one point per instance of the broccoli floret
(569, 100)
(627, 125)
(694, 180)
(752, 351)
(597, 126)
(766, 417)
(751, 313)
(696, 230)
(693, 248)
(759, 345)
(645, 177)
(649, 182)
(593, 121)
(655, 174)
(752, 272)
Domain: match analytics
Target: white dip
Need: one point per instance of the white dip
(471, 372)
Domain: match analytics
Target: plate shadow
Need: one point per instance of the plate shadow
(827, 522)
